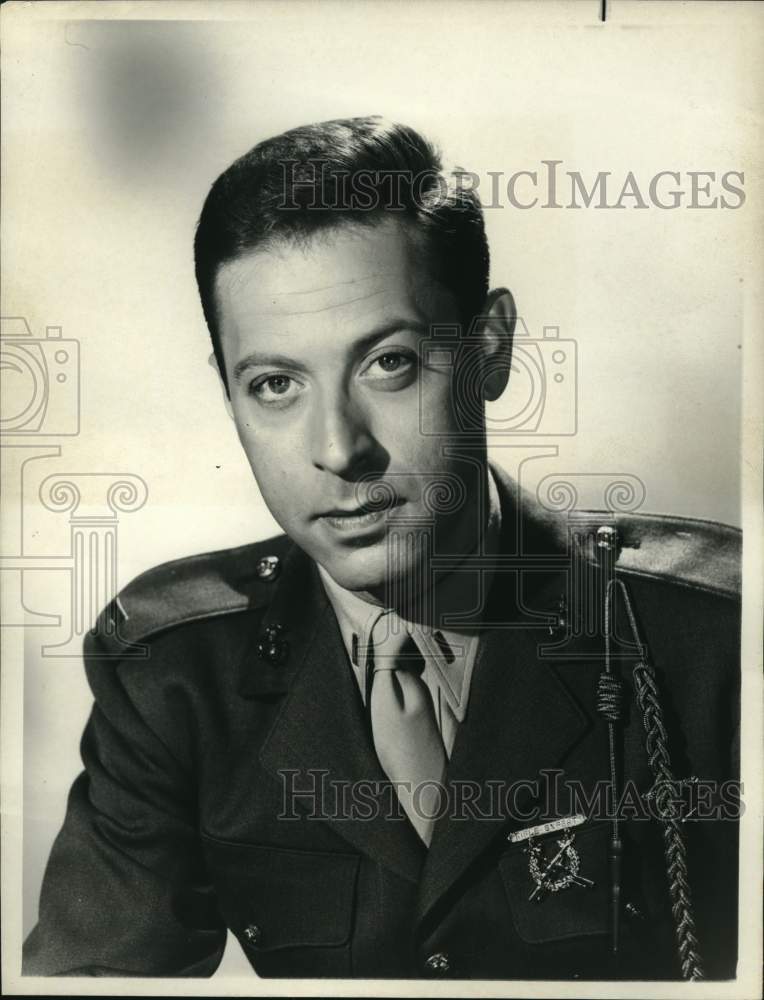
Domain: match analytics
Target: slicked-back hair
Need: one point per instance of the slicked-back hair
(353, 171)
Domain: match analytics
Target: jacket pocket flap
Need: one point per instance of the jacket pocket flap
(570, 910)
(276, 898)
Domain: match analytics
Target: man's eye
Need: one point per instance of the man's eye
(391, 363)
(274, 388)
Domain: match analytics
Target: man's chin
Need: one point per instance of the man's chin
(363, 571)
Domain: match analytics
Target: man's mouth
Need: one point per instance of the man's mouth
(353, 521)
(358, 517)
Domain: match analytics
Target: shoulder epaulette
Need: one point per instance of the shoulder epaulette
(195, 587)
(690, 552)
(705, 555)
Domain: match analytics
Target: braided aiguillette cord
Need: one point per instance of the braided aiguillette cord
(656, 743)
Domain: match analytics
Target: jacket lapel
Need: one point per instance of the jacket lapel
(321, 732)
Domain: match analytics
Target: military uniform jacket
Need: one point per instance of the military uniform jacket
(208, 717)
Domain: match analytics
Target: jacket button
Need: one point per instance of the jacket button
(438, 964)
(252, 934)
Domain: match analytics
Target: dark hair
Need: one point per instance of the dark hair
(335, 173)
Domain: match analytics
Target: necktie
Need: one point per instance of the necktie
(404, 728)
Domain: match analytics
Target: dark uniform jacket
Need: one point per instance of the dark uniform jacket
(206, 714)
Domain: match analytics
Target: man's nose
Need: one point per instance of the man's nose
(342, 442)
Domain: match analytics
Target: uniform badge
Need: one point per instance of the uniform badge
(552, 869)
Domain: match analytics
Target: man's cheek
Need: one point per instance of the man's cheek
(437, 411)
(418, 451)
(267, 467)
(404, 438)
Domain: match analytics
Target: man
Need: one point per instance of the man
(431, 730)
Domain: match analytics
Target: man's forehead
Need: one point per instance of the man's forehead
(346, 270)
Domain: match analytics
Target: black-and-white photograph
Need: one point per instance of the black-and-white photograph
(381, 453)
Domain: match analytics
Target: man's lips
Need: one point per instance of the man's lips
(359, 509)
(353, 522)
(358, 516)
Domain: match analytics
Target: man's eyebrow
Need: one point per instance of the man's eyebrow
(260, 359)
(256, 359)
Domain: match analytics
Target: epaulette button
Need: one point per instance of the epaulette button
(606, 537)
(268, 568)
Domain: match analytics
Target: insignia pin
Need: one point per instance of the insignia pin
(558, 873)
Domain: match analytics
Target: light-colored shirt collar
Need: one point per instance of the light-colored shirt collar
(449, 652)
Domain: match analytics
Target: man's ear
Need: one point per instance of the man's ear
(212, 361)
(497, 327)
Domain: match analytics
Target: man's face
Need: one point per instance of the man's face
(321, 343)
